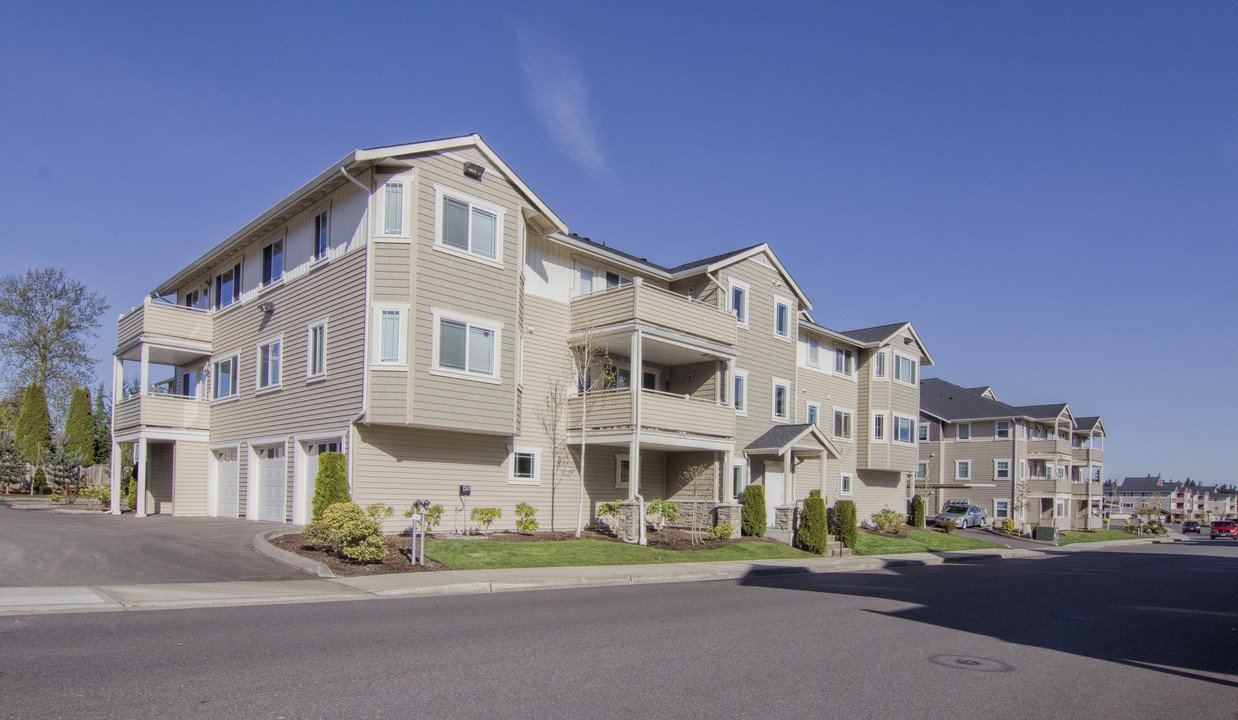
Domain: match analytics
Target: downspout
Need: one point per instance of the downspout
(365, 347)
(638, 373)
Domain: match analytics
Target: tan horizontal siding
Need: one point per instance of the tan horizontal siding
(189, 485)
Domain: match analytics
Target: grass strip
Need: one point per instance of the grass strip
(917, 541)
(1069, 537)
(488, 554)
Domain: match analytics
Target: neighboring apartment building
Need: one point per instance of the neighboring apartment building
(1033, 463)
(413, 307)
(1177, 500)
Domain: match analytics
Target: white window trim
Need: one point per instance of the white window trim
(494, 326)
(809, 405)
(743, 374)
(808, 361)
(743, 478)
(915, 429)
(283, 264)
(235, 357)
(885, 365)
(846, 484)
(730, 298)
(619, 460)
(786, 403)
(310, 375)
(960, 463)
(791, 325)
(996, 476)
(997, 432)
(958, 432)
(537, 466)
(499, 212)
(376, 315)
(850, 412)
(847, 366)
(885, 428)
(407, 179)
(997, 513)
(922, 475)
(326, 252)
(915, 368)
(927, 431)
(593, 280)
(259, 388)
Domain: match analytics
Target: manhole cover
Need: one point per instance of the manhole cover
(968, 662)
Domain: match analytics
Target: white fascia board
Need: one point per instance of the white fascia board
(836, 336)
(927, 359)
(610, 256)
(739, 257)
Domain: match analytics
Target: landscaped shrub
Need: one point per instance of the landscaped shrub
(659, 512)
(1008, 525)
(721, 531)
(844, 522)
(812, 535)
(752, 512)
(608, 515)
(79, 429)
(331, 483)
(98, 495)
(916, 519)
(378, 511)
(39, 482)
(888, 520)
(484, 516)
(814, 493)
(131, 493)
(433, 516)
(33, 433)
(526, 517)
(346, 532)
(947, 526)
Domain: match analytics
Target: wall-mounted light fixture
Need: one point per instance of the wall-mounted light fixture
(906, 341)
(267, 307)
(473, 170)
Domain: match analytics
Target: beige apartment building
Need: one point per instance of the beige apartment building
(1034, 464)
(414, 307)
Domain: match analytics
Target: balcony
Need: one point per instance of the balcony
(1050, 447)
(660, 412)
(155, 319)
(1079, 456)
(639, 302)
(161, 411)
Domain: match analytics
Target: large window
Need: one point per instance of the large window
(904, 430)
(782, 318)
(389, 336)
(842, 424)
(466, 345)
(322, 230)
(905, 369)
(739, 301)
(316, 350)
(268, 364)
(782, 391)
(844, 361)
(225, 378)
(469, 225)
(741, 392)
(962, 469)
(228, 287)
(1001, 469)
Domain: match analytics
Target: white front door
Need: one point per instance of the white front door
(774, 495)
(226, 494)
(309, 474)
(271, 483)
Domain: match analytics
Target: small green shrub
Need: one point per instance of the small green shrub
(378, 512)
(947, 526)
(660, 512)
(433, 516)
(888, 520)
(526, 517)
(916, 519)
(40, 481)
(131, 493)
(752, 512)
(484, 516)
(1008, 525)
(814, 493)
(844, 522)
(331, 483)
(812, 535)
(54, 497)
(346, 532)
(98, 494)
(721, 531)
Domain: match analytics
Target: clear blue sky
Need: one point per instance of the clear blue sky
(1048, 191)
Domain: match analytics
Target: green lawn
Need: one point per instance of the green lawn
(917, 541)
(489, 554)
(1068, 537)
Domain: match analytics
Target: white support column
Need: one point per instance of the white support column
(145, 373)
(825, 461)
(118, 381)
(140, 457)
(116, 488)
(788, 479)
(637, 383)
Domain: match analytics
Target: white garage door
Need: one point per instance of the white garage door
(271, 483)
(226, 493)
(312, 450)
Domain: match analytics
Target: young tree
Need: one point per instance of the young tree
(34, 428)
(64, 470)
(102, 419)
(553, 417)
(592, 373)
(12, 464)
(331, 484)
(79, 429)
(46, 319)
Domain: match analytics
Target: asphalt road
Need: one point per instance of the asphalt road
(1143, 632)
(41, 549)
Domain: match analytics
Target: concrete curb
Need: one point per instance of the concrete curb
(1106, 544)
(313, 567)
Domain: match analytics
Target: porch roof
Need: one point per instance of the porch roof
(805, 438)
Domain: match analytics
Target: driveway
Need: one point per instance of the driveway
(45, 549)
(1011, 542)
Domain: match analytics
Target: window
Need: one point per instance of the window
(964, 431)
(814, 413)
(842, 424)
(389, 340)
(905, 369)
(322, 231)
(962, 469)
(782, 390)
(623, 469)
(879, 366)
(469, 225)
(393, 207)
(739, 301)
(524, 467)
(904, 430)
(741, 391)
(1003, 429)
(845, 485)
(272, 262)
(316, 350)
(228, 287)
(1001, 509)
(268, 364)
(921, 471)
(879, 426)
(738, 475)
(814, 352)
(191, 299)
(1022, 468)
(782, 318)
(466, 345)
(923, 433)
(614, 280)
(1001, 469)
(844, 361)
(225, 378)
(584, 281)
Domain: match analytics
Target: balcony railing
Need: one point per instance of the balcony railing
(639, 301)
(159, 319)
(660, 411)
(1080, 455)
(161, 411)
(1050, 446)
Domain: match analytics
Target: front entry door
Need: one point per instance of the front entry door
(774, 495)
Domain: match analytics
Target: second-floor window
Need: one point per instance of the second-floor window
(962, 469)
(964, 431)
(741, 392)
(1003, 429)
(923, 432)
(879, 426)
(921, 470)
(739, 301)
(842, 424)
(781, 393)
(814, 413)
(322, 230)
(469, 225)
(905, 369)
(316, 350)
(393, 208)
(269, 364)
(389, 340)
(467, 346)
(782, 318)
(879, 366)
(272, 262)
(904, 430)
(228, 287)
(1001, 469)
(814, 352)
(224, 378)
(844, 361)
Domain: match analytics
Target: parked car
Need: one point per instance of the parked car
(1223, 529)
(1190, 526)
(963, 515)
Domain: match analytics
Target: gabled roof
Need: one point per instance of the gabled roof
(1148, 484)
(779, 438)
(878, 336)
(984, 391)
(1089, 424)
(1052, 411)
(952, 403)
(336, 174)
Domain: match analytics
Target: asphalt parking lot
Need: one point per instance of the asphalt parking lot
(44, 549)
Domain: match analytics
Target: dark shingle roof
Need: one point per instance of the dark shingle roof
(980, 390)
(1148, 483)
(952, 402)
(777, 436)
(873, 334)
(711, 260)
(1051, 410)
(678, 268)
(616, 251)
(1086, 423)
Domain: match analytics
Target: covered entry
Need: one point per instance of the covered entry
(776, 453)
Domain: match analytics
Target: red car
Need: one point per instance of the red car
(1223, 529)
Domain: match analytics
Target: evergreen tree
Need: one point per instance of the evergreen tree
(752, 511)
(34, 427)
(64, 471)
(12, 464)
(812, 535)
(79, 429)
(331, 484)
(38, 484)
(102, 419)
